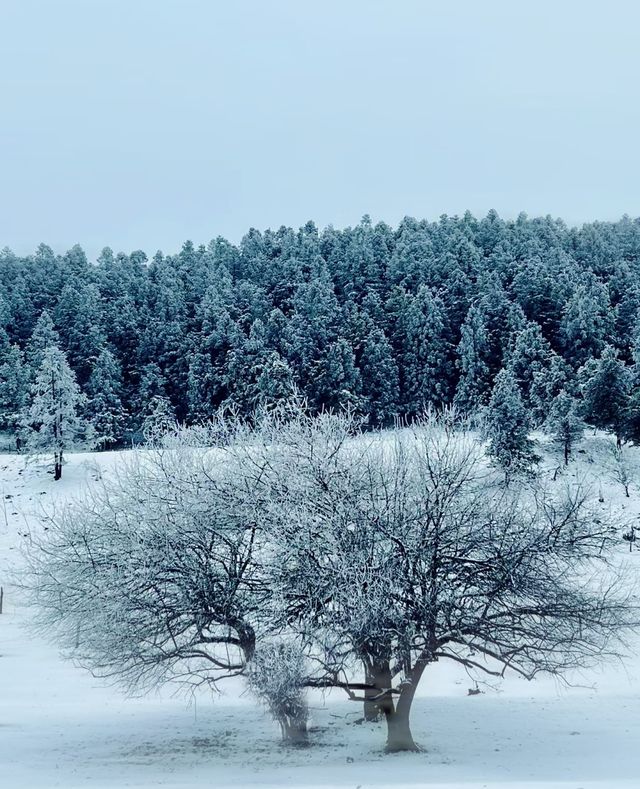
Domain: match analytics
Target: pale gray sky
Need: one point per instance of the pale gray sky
(141, 123)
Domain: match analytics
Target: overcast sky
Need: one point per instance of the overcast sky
(141, 123)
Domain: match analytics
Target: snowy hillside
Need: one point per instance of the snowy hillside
(60, 727)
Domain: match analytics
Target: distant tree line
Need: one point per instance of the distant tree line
(530, 318)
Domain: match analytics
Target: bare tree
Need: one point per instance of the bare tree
(385, 551)
(621, 467)
(152, 575)
(399, 550)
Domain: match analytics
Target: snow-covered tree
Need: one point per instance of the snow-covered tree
(44, 336)
(153, 575)
(379, 374)
(160, 419)
(14, 383)
(621, 467)
(52, 422)
(531, 361)
(605, 393)
(400, 552)
(587, 322)
(565, 424)
(275, 383)
(387, 554)
(426, 361)
(277, 675)
(473, 359)
(507, 426)
(104, 402)
(546, 384)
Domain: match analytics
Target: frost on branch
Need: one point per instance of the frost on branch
(152, 575)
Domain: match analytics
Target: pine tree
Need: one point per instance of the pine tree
(379, 374)
(159, 418)
(507, 428)
(474, 386)
(78, 318)
(605, 393)
(530, 354)
(426, 370)
(275, 383)
(44, 336)
(51, 423)
(336, 383)
(546, 385)
(14, 384)
(153, 385)
(565, 424)
(586, 323)
(632, 411)
(104, 404)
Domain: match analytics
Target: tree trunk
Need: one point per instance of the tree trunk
(399, 737)
(294, 729)
(567, 450)
(371, 708)
(57, 465)
(377, 674)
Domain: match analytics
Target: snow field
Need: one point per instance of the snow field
(60, 727)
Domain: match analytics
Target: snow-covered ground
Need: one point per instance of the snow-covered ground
(60, 727)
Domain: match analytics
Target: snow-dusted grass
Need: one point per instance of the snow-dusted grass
(60, 727)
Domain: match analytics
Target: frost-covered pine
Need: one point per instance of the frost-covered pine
(507, 428)
(275, 382)
(104, 404)
(160, 419)
(425, 361)
(44, 335)
(565, 423)
(380, 382)
(51, 422)
(13, 383)
(606, 392)
(473, 352)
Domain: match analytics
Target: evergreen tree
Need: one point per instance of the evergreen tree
(426, 371)
(474, 386)
(159, 419)
(208, 367)
(51, 422)
(530, 354)
(104, 402)
(275, 383)
(14, 384)
(310, 333)
(336, 381)
(379, 376)
(245, 366)
(507, 428)
(586, 323)
(44, 336)
(79, 321)
(565, 424)
(546, 384)
(605, 392)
